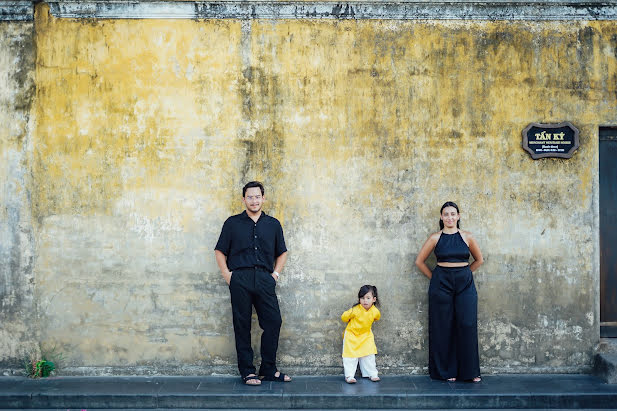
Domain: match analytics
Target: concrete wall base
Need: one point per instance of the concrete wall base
(605, 367)
(194, 370)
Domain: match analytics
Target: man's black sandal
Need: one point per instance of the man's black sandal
(280, 378)
(248, 378)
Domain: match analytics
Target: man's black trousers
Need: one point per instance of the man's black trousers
(255, 287)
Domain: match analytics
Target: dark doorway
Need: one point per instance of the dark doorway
(608, 231)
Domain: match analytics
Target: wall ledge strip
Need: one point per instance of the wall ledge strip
(16, 11)
(360, 10)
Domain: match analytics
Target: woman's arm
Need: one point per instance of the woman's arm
(474, 249)
(425, 251)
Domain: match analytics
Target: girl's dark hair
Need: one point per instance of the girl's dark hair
(368, 289)
(448, 204)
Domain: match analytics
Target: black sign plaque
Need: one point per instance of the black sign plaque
(550, 140)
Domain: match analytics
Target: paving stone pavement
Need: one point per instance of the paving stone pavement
(561, 391)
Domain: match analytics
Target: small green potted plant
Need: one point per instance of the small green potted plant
(41, 364)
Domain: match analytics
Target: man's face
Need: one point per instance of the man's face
(253, 200)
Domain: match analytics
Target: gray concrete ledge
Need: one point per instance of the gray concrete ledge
(360, 10)
(304, 392)
(16, 11)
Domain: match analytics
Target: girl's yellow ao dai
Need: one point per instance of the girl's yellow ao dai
(358, 339)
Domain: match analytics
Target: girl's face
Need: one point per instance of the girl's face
(449, 216)
(367, 300)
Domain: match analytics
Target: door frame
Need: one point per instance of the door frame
(608, 329)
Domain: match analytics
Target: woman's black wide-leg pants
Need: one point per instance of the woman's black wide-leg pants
(453, 324)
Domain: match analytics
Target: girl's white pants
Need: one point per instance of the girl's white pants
(368, 368)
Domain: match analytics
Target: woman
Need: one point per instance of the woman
(453, 301)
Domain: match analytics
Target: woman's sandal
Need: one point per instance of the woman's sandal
(477, 379)
(375, 379)
(350, 380)
(255, 380)
(451, 379)
(279, 378)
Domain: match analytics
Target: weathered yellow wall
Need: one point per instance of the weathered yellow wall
(145, 131)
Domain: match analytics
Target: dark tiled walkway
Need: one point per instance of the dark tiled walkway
(331, 392)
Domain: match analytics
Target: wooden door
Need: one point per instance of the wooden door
(608, 231)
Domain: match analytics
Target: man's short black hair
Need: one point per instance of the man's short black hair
(251, 184)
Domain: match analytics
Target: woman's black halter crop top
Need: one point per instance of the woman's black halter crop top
(451, 248)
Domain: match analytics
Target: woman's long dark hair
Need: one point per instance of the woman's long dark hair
(449, 204)
(368, 289)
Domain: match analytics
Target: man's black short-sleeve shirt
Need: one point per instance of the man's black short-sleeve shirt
(249, 244)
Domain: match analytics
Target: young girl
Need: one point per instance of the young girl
(358, 340)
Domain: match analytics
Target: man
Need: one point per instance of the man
(251, 254)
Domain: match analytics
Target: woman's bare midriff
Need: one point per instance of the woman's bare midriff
(446, 264)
